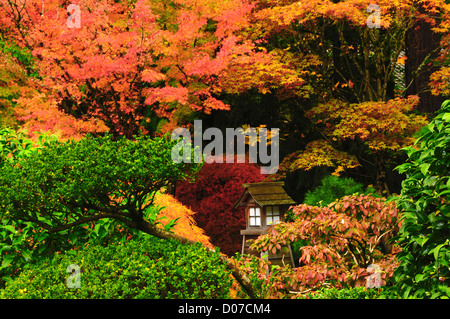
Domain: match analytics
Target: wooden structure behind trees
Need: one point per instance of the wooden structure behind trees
(265, 204)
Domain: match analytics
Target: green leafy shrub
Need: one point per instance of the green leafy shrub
(15, 145)
(146, 268)
(52, 195)
(331, 189)
(347, 293)
(18, 240)
(424, 270)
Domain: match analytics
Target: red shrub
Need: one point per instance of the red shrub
(212, 196)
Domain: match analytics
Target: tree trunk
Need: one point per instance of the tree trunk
(381, 183)
(421, 45)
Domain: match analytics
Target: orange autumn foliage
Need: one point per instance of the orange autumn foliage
(134, 66)
(39, 114)
(186, 225)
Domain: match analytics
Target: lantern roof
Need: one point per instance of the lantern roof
(265, 194)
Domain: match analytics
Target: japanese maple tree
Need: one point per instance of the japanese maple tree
(217, 188)
(340, 242)
(354, 52)
(382, 129)
(144, 66)
(358, 43)
(124, 64)
(185, 225)
(439, 80)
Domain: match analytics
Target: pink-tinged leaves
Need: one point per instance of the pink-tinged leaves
(152, 76)
(340, 238)
(167, 94)
(143, 15)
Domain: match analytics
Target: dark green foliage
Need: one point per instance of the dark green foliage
(145, 268)
(67, 184)
(16, 245)
(424, 270)
(53, 194)
(331, 189)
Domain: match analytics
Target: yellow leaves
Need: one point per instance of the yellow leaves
(186, 225)
(402, 60)
(333, 109)
(40, 114)
(382, 125)
(320, 153)
(440, 82)
(350, 84)
(338, 170)
(264, 90)
(259, 134)
(263, 71)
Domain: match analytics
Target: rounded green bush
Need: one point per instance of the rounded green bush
(150, 268)
(331, 189)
